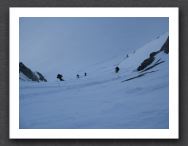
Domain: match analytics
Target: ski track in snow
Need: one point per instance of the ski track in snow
(101, 100)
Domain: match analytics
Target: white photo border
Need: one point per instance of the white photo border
(172, 133)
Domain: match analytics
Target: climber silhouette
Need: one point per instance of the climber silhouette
(117, 69)
(60, 77)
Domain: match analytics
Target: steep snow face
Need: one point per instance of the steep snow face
(103, 99)
(128, 63)
(135, 59)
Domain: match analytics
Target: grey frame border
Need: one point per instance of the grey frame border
(4, 62)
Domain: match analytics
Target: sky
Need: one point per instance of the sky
(69, 45)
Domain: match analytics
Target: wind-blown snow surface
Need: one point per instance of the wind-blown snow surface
(101, 99)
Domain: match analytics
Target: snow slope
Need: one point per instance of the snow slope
(103, 99)
(135, 59)
(23, 77)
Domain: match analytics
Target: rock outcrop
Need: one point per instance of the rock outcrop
(37, 77)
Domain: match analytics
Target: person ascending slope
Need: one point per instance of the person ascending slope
(117, 69)
(60, 77)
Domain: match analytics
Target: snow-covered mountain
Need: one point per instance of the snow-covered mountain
(26, 74)
(146, 55)
(135, 97)
(146, 59)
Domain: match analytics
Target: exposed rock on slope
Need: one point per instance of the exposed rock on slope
(165, 47)
(29, 74)
(151, 58)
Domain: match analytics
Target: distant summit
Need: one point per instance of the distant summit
(26, 74)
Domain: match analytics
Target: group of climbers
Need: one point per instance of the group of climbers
(78, 76)
(60, 76)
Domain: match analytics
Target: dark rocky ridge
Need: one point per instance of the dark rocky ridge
(148, 61)
(165, 47)
(30, 74)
